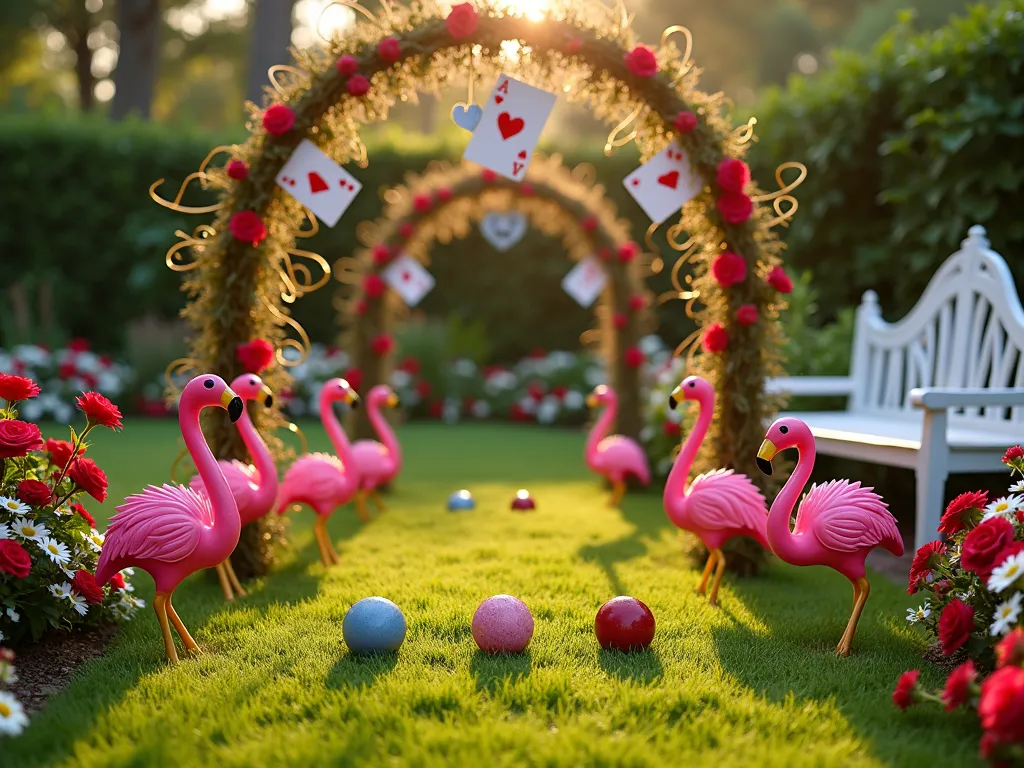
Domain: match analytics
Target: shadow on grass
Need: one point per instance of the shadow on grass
(493, 671)
(648, 523)
(640, 667)
(360, 670)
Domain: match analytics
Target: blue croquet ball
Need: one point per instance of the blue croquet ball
(372, 625)
(461, 500)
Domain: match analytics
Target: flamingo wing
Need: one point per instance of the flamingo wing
(846, 517)
(723, 500)
(315, 476)
(164, 524)
(243, 479)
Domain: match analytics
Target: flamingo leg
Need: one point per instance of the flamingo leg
(377, 502)
(618, 491)
(703, 588)
(320, 531)
(233, 579)
(186, 639)
(225, 584)
(719, 572)
(861, 589)
(361, 510)
(160, 606)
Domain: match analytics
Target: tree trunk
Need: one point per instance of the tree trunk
(138, 24)
(271, 36)
(81, 23)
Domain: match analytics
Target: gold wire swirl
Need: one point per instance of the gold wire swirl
(174, 258)
(206, 160)
(744, 133)
(301, 345)
(277, 68)
(314, 226)
(181, 365)
(176, 205)
(680, 263)
(673, 232)
(348, 270)
(614, 140)
(369, 232)
(669, 31)
(783, 196)
(649, 242)
(591, 338)
(294, 429)
(346, 4)
(298, 278)
(584, 174)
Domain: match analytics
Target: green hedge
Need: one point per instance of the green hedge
(906, 148)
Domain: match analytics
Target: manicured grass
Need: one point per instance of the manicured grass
(753, 683)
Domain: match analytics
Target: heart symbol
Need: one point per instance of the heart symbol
(466, 117)
(498, 99)
(509, 126)
(503, 230)
(669, 179)
(522, 154)
(317, 183)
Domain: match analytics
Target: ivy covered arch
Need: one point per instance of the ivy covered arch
(443, 203)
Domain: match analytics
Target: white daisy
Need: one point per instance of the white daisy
(5, 531)
(54, 550)
(14, 506)
(1009, 571)
(63, 510)
(79, 604)
(1003, 507)
(30, 530)
(13, 615)
(94, 539)
(1007, 614)
(915, 615)
(12, 716)
(1017, 487)
(60, 591)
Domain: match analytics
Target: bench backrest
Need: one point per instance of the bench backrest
(967, 330)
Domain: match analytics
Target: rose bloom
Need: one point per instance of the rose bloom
(728, 269)
(381, 254)
(278, 119)
(256, 355)
(716, 338)
(642, 62)
(374, 286)
(1013, 453)
(422, 203)
(958, 685)
(1001, 707)
(637, 302)
(347, 65)
(84, 584)
(955, 625)
(90, 478)
(13, 388)
(628, 251)
(237, 170)
(14, 559)
(1010, 650)
(99, 410)
(34, 493)
(18, 437)
(82, 512)
(382, 344)
(248, 227)
(735, 207)
(926, 559)
(685, 122)
(634, 357)
(620, 320)
(983, 545)
(733, 175)
(60, 451)
(746, 315)
(906, 688)
(389, 49)
(357, 85)
(117, 581)
(958, 512)
(462, 21)
(354, 377)
(779, 280)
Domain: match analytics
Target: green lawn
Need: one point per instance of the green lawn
(753, 683)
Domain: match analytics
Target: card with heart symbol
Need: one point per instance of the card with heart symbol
(503, 230)
(510, 128)
(319, 183)
(585, 281)
(408, 278)
(664, 183)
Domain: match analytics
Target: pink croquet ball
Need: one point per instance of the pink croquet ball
(502, 624)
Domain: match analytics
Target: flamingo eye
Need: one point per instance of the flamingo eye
(693, 383)
(208, 383)
(252, 382)
(783, 430)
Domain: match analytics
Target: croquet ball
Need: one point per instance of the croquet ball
(624, 624)
(502, 624)
(523, 500)
(461, 500)
(372, 625)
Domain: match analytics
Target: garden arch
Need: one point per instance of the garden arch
(443, 203)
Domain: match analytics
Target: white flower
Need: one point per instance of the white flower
(915, 615)
(400, 379)
(594, 376)
(14, 506)
(548, 409)
(1006, 615)
(651, 345)
(94, 539)
(574, 400)
(1003, 507)
(79, 604)
(647, 434)
(1017, 487)
(450, 410)
(1005, 574)
(528, 404)
(13, 615)
(87, 362)
(56, 551)
(464, 367)
(60, 591)
(27, 529)
(480, 409)
(12, 716)
(5, 531)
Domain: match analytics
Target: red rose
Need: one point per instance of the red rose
(354, 377)
(637, 302)
(373, 286)
(99, 410)
(238, 170)
(779, 280)
(488, 176)
(526, 189)
(13, 388)
(735, 207)
(85, 584)
(34, 493)
(361, 307)
(381, 254)
(117, 581)
(604, 253)
(958, 685)
(422, 203)
(444, 194)
(983, 544)
(1010, 650)
(406, 230)
(589, 224)
(628, 251)
(1012, 454)
(733, 175)
(389, 49)
(18, 437)
(559, 391)
(538, 353)
(78, 345)
(256, 355)
(278, 119)
(955, 625)
(671, 429)
(620, 320)
(82, 512)
(435, 409)
(1001, 707)
(248, 227)
(926, 559)
(347, 65)
(716, 338)
(66, 370)
(685, 122)
(357, 85)
(382, 344)
(60, 451)
(573, 45)
(729, 268)
(905, 694)
(746, 315)
(14, 559)
(462, 21)
(410, 365)
(423, 389)
(958, 513)
(634, 358)
(90, 478)
(642, 62)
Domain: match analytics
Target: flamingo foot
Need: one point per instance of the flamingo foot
(160, 606)
(225, 583)
(703, 588)
(618, 491)
(320, 531)
(236, 585)
(361, 509)
(186, 639)
(861, 590)
(377, 501)
(719, 572)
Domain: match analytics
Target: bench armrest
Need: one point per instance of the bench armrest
(810, 385)
(941, 398)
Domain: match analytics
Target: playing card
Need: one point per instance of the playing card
(664, 184)
(319, 183)
(408, 279)
(585, 281)
(510, 127)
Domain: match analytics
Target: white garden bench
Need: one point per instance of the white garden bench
(941, 391)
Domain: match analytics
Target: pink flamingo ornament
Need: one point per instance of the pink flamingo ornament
(171, 532)
(320, 480)
(614, 456)
(254, 487)
(717, 505)
(376, 462)
(837, 525)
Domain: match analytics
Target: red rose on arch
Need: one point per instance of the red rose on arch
(278, 119)
(779, 280)
(422, 203)
(13, 388)
(357, 85)
(1002, 704)
(361, 307)
(747, 314)
(462, 21)
(14, 559)
(958, 685)
(642, 62)
(389, 49)
(85, 584)
(256, 355)
(733, 175)
(983, 545)
(905, 694)
(237, 170)
(347, 65)
(925, 560)
(373, 286)
(628, 251)
(735, 207)
(526, 189)
(620, 320)
(634, 357)
(82, 512)
(955, 625)
(90, 478)
(381, 254)
(406, 230)
(715, 339)
(604, 253)
(685, 122)
(958, 513)
(354, 377)
(573, 45)
(248, 227)
(18, 437)
(728, 269)
(34, 493)
(589, 223)
(382, 344)
(444, 194)
(637, 302)
(99, 410)
(488, 176)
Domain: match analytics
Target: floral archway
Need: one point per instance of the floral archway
(443, 203)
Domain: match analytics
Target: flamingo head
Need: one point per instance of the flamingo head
(382, 395)
(691, 388)
(249, 386)
(786, 432)
(210, 391)
(602, 395)
(339, 390)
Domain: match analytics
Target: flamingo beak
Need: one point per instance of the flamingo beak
(232, 403)
(393, 400)
(352, 399)
(592, 401)
(675, 398)
(765, 454)
(268, 396)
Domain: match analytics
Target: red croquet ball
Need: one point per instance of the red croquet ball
(523, 500)
(624, 624)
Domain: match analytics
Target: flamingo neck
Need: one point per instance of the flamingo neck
(780, 534)
(226, 521)
(600, 430)
(332, 426)
(385, 433)
(262, 459)
(677, 478)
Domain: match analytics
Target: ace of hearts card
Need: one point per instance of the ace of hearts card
(510, 127)
(319, 183)
(664, 183)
